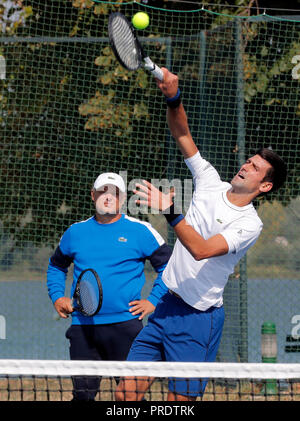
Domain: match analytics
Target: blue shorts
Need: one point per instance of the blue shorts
(178, 332)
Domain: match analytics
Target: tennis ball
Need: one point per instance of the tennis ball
(140, 20)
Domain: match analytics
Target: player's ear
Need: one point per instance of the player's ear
(266, 186)
(93, 195)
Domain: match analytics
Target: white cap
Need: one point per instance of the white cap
(110, 178)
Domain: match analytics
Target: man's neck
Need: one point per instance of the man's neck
(107, 218)
(239, 199)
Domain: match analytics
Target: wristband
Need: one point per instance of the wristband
(172, 217)
(174, 101)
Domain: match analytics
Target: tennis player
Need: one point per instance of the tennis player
(221, 224)
(116, 246)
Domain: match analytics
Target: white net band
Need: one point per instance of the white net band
(149, 369)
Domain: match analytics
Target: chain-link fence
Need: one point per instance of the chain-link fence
(68, 112)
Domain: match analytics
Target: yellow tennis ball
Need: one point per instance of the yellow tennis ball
(140, 20)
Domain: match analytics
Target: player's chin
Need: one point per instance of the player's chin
(237, 182)
(107, 211)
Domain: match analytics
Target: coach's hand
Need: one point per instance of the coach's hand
(63, 306)
(141, 306)
(153, 197)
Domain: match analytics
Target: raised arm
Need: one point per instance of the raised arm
(176, 117)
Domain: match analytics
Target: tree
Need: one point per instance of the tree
(69, 111)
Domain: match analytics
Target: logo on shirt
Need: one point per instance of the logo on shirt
(122, 239)
(240, 231)
(220, 221)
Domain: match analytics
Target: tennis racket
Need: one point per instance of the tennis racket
(87, 297)
(126, 46)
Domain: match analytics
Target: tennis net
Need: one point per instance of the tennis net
(51, 380)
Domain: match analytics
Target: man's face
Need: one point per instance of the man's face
(108, 200)
(249, 178)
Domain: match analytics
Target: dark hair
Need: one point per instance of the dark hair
(277, 174)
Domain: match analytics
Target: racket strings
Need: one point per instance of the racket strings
(89, 293)
(125, 43)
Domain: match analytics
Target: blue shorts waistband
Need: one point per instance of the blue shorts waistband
(180, 298)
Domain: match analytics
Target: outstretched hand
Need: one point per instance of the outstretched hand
(153, 197)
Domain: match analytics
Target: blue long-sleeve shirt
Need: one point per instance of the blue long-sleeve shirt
(118, 252)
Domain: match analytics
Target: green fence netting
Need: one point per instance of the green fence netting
(68, 112)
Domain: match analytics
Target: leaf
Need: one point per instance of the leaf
(140, 110)
(264, 51)
(83, 4)
(142, 79)
(103, 61)
(74, 30)
(262, 82)
(275, 70)
(28, 11)
(270, 101)
(100, 9)
(106, 51)
(106, 79)
(283, 66)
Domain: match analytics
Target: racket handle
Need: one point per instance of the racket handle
(153, 68)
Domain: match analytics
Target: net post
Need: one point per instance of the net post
(269, 354)
(243, 346)
(202, 80)
(171, 147)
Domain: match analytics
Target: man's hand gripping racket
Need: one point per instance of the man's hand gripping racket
(87, 297)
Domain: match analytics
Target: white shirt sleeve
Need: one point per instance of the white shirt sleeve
(241, 234)
(204, 174)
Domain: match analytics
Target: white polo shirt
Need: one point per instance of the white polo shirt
(201, 283)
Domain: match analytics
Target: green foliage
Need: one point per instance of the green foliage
(69, 111)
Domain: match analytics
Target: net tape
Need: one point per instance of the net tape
(62, 380)
(154, 369)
